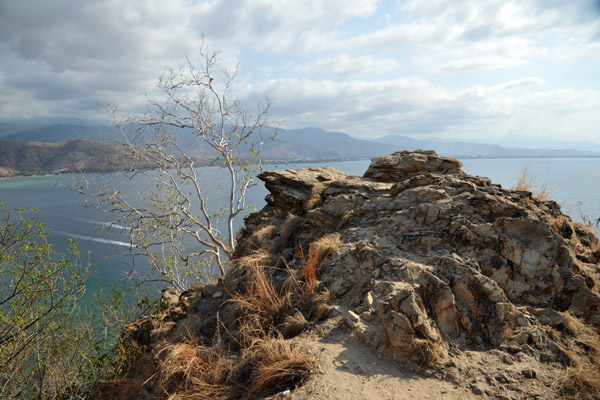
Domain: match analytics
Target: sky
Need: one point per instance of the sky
(496, 71)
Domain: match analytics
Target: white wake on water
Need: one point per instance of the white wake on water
(94, 239)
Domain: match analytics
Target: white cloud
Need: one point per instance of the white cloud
(346, 66)
(367, 67)
(413, 106)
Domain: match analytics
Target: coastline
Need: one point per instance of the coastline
(286, 162)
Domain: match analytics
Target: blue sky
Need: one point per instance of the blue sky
(512, 72)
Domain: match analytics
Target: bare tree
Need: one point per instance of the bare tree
(173, 224)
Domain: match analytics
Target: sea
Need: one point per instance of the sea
(573, 182)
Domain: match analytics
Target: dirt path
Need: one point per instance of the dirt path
(349, 370)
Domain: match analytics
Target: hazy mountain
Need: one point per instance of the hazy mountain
(62, 132)
(297, 144)
(7, 128)
(315, 143)
(75, 155)
(469, 150)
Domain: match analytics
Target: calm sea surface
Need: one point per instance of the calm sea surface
(575, 183)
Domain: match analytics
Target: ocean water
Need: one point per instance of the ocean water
(575, 184)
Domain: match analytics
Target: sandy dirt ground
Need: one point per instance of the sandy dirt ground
(349, 370)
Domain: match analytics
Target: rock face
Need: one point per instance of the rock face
(430, 269)
(431, 260)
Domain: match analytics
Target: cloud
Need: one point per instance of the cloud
(423, 67)
(417, 107)
(346, 66)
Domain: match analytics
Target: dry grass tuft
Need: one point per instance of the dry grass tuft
(262, 238)
(526, 182)
(582, 383)
(188, 366)
(582, 380)
(327, 244)
(277, 364)
(317, 252)
(266, 366)
(290, 227)
(293, 324)
(310, 266)
(260, 297)
(426, 352)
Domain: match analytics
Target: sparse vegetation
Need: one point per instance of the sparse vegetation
(527, 182)
(246, 350)
(190, 370)
(582, 378)
(53, 344)
(175, 225)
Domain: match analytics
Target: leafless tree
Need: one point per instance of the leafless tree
(173, 224)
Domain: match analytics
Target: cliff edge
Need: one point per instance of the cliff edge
(415, 280)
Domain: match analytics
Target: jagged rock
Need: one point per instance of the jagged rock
(406, 164)
(431, 257)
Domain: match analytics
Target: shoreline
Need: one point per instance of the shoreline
(298, 161)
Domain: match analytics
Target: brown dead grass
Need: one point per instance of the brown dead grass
(582, 383)
(290, 227)
(317, 252)
(251, 355)
(426, 352)
(327, 244)
(260, 306)
(276, 364)
(315, 196)
(310, 266)
(582, 379)
(262, 238)
(527, 182)
(189, 370)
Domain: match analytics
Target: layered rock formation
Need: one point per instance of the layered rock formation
(445, 273)
(433, 259)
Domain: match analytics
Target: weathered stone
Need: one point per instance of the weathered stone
(429, 254)
(406, 164)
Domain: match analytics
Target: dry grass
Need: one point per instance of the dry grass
(260, 305)
(328, 244)
(426, 352)
(317, 252)
(581, 383)
(189, 370)
(527, 182)
(262, 238)
(249, 356)
(310, 266)
(582, 380)
(290, 227)
(285, 307)
(277, 364)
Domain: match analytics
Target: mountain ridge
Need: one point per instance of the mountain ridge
(28, 150)
(74, 155)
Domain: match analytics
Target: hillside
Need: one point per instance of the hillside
(414, 281)
(74, 155)
(56, 133)
(301, 144)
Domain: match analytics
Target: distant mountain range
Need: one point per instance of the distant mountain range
(458, 149)
(74, 155)
(33, 148)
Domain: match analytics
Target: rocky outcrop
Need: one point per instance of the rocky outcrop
(416, 262)
(431, 258)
